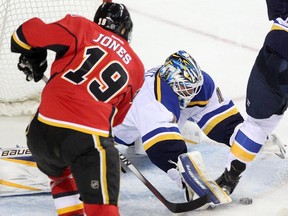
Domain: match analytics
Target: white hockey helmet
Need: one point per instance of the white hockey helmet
(183, 75)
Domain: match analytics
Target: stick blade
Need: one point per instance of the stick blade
(188, 206)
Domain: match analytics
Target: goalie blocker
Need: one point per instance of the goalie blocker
(197, 180)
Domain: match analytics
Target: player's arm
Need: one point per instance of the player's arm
(32, 39)
(164, 153)
(34, 35)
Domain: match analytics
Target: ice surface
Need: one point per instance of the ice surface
(224, 37)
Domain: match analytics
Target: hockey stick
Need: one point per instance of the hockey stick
(173, 207)
(15, 153)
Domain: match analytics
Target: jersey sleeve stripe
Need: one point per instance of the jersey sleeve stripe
(19, 42)
(160, 138)
(215, 120)
(161, 134)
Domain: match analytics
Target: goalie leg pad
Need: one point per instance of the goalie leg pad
(194, 174)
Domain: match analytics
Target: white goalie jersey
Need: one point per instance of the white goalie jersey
(155, 115)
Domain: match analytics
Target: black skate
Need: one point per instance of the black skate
(229, 179)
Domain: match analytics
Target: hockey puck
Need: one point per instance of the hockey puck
(246, 201)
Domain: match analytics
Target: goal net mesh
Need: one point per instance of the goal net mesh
(17, 96)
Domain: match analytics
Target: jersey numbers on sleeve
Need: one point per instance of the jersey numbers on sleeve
(104, 84)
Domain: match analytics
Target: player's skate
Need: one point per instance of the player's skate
(229, 179)
(197, 181)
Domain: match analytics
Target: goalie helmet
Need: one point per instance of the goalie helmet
(183, 75)
(116, 18)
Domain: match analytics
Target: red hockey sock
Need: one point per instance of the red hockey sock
(65, 195)
(101, 210)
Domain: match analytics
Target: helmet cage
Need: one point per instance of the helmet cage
(183, 75)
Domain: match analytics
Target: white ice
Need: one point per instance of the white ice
(224, 37)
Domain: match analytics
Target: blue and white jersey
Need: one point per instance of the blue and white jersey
(214, 113)
(155, 114)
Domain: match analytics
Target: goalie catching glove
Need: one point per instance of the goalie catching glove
(33, 67)
(196, 180)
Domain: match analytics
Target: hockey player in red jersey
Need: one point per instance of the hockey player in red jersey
(92, 82)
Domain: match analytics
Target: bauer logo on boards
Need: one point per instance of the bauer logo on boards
(16, 152)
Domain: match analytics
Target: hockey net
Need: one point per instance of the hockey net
(17, 96)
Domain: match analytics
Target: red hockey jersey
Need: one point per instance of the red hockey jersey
(93, 79)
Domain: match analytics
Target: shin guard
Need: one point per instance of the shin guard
(195, 176)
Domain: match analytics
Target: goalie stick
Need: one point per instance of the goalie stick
(173, 207)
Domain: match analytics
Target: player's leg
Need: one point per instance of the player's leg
(65, 195)
(97, 175)
(265, 104)
(44, 143)
(277, 8)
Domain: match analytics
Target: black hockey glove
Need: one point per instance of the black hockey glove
(33, 67)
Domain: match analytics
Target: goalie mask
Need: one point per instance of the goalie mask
(183, 75)
(116, 18)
